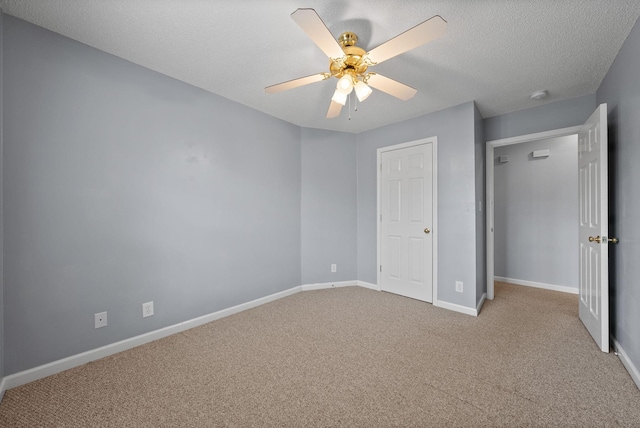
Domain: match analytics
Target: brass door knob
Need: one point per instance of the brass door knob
(594, 239)
(614, 240)
(427, 230)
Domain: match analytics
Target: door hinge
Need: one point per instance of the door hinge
(380, 268)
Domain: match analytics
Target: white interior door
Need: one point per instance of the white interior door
(407, 238)
(593, 236)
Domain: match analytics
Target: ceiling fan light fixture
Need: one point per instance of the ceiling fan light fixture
(362, 90)
(349, 63)
(339, 97)
(345, 84)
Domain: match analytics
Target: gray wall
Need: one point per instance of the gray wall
(123, 186)
(620, 89)
(554, 115)
(481, 253)
(328, 206)
(536, 212)
(454, 128)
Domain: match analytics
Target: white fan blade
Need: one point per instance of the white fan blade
(391, 87)
(295, 83)
(334, 110)
(311, 24)
(429, 30)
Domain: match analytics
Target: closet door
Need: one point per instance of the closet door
(406, 244)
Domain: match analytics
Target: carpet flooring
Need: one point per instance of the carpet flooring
(351, 357)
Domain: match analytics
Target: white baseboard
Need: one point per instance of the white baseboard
(368, 285)
(626, 362)
(480, 303)
(456, 308)
(552, 287)
(324, 285)
(58, 366)
(3, 387)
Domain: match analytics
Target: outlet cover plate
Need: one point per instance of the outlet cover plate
(147, 309)
(459, 286)
(334, 268)
(100, 319)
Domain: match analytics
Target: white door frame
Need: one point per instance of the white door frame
(491, 145)
(434, 231)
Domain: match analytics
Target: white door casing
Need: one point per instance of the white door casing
(593, 282)
(406, 215)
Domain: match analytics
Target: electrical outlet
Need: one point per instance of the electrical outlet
(334, 268)
(459, 286)
(100, 319)
(147, 309)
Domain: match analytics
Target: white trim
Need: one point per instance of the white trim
(626, 362)
(561, 288)
(480, 303)
(3, 387)
(535, 137)
(490, 188)
(368, 285)
(58, 366)
(434, 221)
(488, 206)
(324, 285)
(457, 308)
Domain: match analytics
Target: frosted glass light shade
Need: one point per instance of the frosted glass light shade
(345, 84)
(339, 97)
(362, 91)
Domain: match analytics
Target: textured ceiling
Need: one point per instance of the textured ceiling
(495, 52)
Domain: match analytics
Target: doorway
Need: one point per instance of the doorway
(535, 212)
(490, 171)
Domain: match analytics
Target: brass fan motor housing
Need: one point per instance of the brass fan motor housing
(353, 62)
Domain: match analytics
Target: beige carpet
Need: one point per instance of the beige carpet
(351, 357)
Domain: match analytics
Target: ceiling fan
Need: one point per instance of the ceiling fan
(350, 63)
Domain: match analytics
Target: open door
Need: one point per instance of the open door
(593, 235)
